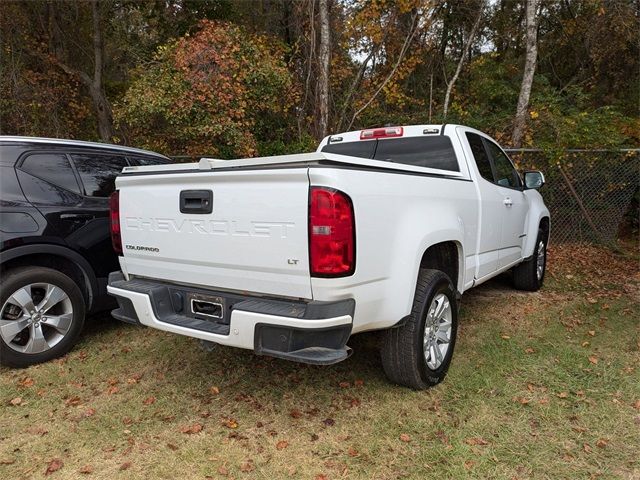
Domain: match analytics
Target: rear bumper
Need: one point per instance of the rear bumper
(309, 332)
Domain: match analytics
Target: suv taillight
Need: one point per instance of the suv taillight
(332, 249)
(114, 221)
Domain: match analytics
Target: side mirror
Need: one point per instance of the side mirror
(533, 179)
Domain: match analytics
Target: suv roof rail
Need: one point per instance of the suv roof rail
(79, 143)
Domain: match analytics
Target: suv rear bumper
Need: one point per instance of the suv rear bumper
(308, 332)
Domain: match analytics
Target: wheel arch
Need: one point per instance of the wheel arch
(446, 256)
(58, 257)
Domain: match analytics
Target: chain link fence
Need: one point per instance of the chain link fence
(592, 194)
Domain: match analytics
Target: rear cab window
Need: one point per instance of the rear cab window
(429, 152)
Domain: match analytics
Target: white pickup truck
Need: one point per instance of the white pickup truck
(288, 256)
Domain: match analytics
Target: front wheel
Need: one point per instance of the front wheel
(418, 353)
(41, 315)
(529, 275)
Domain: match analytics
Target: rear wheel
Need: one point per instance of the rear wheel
(41, 315)
(529, 275)
(418, 353)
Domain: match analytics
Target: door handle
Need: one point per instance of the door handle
(77, 216)
(508, 202)
(196, 201)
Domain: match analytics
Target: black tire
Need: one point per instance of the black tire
(402, 351)
(13, 281)
(525, 275)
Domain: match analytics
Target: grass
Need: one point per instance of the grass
(543, 385)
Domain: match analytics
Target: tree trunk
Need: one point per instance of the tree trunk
(101, 104)
(323, 60)
(529, 70)
(104, 115)
(463, 56)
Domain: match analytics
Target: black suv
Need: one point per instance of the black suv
(55, 241)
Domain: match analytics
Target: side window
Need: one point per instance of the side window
(506, 175)
(53, 168)
(98, 172)
(480, 156)
(148, 160)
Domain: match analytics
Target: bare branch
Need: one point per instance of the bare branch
(403, 51)
(463, 56)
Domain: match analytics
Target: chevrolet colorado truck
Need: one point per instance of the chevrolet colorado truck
(288, 256)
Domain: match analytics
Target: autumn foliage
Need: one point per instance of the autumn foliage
(211, 93)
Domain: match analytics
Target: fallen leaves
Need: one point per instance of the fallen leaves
(125, 466)
(476, 441)
(230, 423)
(26, 382)
(602, 443)
(16, 401)
(404, 437)
(112, 390)
(191, 429)
(282, 444)
(73, 401)
(86, 470)
(53, 466)
(214, 390)
(295, 413)
(134, 379)
(149, 400)
(247, 466)
(593, 360)
(222, 470)
(89, 412)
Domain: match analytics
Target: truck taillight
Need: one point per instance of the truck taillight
(114, 221)
(385, 132)
(332, 249)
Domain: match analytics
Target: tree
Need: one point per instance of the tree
(215, 92)
(324, 51)
(529, 71)
(463, 56)
(95, 81)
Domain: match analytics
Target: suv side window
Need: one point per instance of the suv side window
(53, 168)
(140, 160)
(506, 175)
(480, 156)
(98, 172)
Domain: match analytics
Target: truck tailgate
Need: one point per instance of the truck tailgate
(254, 239)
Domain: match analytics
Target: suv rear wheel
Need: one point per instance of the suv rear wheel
(41, 315)
(418, 353)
